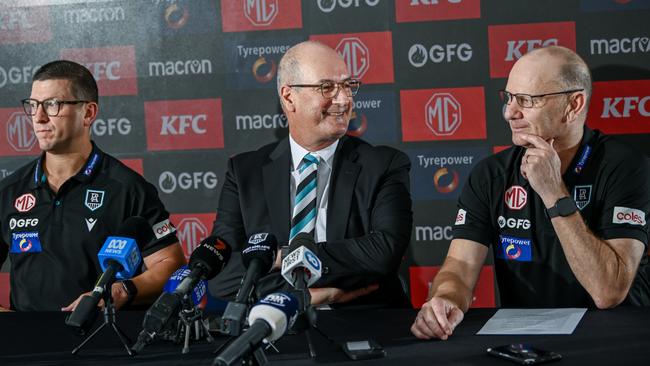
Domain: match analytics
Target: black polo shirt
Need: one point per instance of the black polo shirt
(499, 208)
(53, 239)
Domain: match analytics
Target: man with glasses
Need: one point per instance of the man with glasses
(56, 211)
(353, 197)
(564, 209)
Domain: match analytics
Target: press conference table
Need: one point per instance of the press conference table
(618, 336)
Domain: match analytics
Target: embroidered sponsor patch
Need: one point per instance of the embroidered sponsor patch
(582, 196)
(460, 217)
(626, 215)
(94, 199)
(26, 242)
(515, 249)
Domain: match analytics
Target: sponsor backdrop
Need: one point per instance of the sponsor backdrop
(186, 84)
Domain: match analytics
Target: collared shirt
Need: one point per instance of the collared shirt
(498, 208)
(53, 238)
(326, 158)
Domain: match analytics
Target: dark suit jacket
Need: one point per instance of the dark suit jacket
(369, 217)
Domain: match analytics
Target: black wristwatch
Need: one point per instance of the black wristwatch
(130, 289)
(565, 206)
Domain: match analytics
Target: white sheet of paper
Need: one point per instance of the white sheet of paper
(533, 321)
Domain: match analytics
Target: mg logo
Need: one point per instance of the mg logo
(516, 197)
(442, 114)
(261, 12)
(25, 202)
(356, 56)
(190, 232)
(20, 133)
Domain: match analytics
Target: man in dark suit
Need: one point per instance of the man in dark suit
(361, 210)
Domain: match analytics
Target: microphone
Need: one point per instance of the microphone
(119, 258)
(258, 258)
(199, 293)
(269, 319)
(301, 267)
(206, 261)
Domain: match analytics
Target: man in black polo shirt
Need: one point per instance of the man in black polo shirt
(564, 210)
(56, 211)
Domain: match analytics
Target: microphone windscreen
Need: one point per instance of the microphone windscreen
(213, 254)
(199, 291)
(261, 246)
(279, 310)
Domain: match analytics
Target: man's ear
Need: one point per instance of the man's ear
(286, 98)
(90, 113)
(577, 104)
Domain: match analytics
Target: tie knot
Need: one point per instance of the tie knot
(308, 160)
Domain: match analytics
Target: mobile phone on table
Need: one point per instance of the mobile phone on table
(363, 350)
(524, 354)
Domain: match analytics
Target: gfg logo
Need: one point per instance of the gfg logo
(20, 133)
(111, 126)
(16, 75)
(168, 182)
(356, 56)
(513, 223)
(327, 6)
(22, 223)
(177, 124)
(190, 232)
(442, 114)
(418, 54)
(260, 12)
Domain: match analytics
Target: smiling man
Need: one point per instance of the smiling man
(353, 197)
(564, 210)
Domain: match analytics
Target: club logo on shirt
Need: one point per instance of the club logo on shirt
(582, 195)
(516, 197)
(626, 215)
(460, 217)
(94, 199)
(25, 202)
(26, 242)
(514, 249)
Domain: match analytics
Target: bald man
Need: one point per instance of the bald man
(564, 210)
(351, 196)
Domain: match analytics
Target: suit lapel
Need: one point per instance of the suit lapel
(345, 171)
(275, 177)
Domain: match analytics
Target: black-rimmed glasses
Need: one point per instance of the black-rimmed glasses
(330, 89)
(51, 106)
(530, 101)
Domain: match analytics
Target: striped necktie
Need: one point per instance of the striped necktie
(304, 208)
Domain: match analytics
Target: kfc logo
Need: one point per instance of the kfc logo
(112, 67)
(184, 124)
(252, 15)
(426, 10)
(620, 107)
(20, 133)
(443, 114)
(356, 56)
(356, 50)
(25, 25)
(516, 197)
(25, 202)
(508, 43)
(626, 215)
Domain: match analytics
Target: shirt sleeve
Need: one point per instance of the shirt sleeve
(473, 216)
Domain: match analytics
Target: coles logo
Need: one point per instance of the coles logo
(20, 138)
(30, 24)
(516, 197)
(443, 114)
(252, 15)
(508, 43)
(364, 54)
(163, 228)
(626, 215)
(461, 216)
(191, 229)
(25, 202)
(184, 124)
(112, 67)
(421, 10)
(421, 278)
(620, 107)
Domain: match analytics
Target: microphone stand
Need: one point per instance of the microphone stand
(191, 316)
(109, 320)
(306, 319)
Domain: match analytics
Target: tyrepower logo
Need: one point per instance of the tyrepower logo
(191, 229)
(509, 42)
(620, 107)
(367, 55)
(421, 278)
(253, 15)
(25, 25)
(516, 197)
(112, 67)
(626, 215)
(443, 114)
(184, 124)
(422, 10)
(19, 137)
